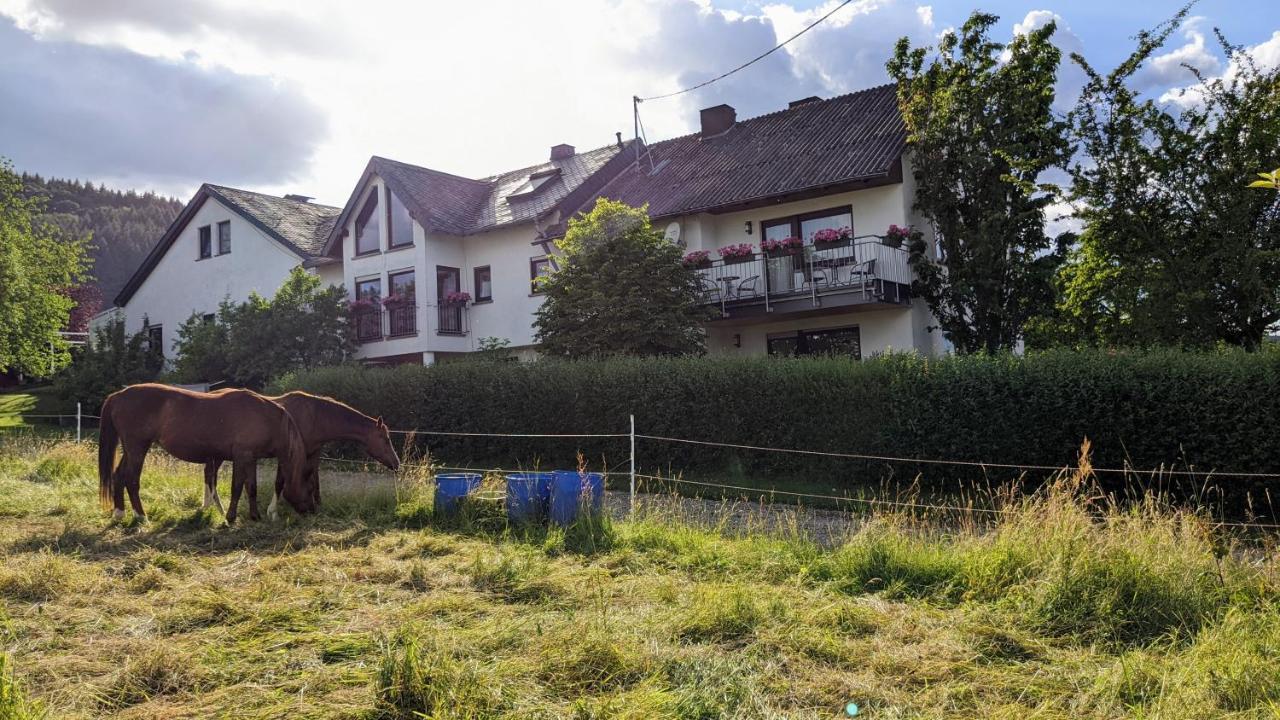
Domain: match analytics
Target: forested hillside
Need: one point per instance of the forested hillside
(124, 225)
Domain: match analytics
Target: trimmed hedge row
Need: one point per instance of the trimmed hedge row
(1163, 408)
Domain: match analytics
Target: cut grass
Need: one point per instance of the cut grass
(375, 608)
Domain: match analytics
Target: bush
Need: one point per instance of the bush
(1209, 411)
(114, 359)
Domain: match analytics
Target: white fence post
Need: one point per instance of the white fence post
(77, 422)
(633, 465)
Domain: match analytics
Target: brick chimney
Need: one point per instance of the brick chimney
(718, 119)
(561, 151)
(298, 198)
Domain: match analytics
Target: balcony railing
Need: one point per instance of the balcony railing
(368, 325)
(864, 271)
(451, 320)
(402, 320)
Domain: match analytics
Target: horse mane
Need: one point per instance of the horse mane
(327, 400)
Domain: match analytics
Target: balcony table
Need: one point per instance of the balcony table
(728, 281)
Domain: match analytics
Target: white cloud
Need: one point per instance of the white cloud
(1071, 78)
(1171, 68)
(1265, 55)
(477, 88)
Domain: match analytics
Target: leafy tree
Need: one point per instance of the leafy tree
(37, 264)
(305, 325)
(982, 132)
(113, 360)
(1173, 250)
(620, 290)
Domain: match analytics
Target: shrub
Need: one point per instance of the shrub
(1207, 411)
(13, 702)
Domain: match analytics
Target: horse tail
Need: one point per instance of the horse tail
(108, 439)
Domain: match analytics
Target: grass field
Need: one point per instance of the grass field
(374, 610)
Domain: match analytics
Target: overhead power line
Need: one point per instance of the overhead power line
(750, 62)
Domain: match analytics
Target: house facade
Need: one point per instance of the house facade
(438, 265)
(225, 244)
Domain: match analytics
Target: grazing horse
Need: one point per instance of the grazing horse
(320, 420)
(199, 427)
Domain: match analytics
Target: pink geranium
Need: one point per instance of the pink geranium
(897, 232)
(457, 298)
(740, 250)
(697, 257)
(827, 235)
(787, 243)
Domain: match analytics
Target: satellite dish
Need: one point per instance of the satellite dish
(672, 233)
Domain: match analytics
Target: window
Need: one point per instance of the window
(448, 280)
(806, 225)
(224, 237)
(834, 342)
(399, 224)
(155, 339)
(368, 312)
(484, 284)
(370, 289)
(538, 268)
(402, 303)
(367, 226)
(206, 242)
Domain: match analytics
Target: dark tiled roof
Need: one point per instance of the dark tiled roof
(456, 205)
(300, 226)
(303, 225)
(817, 144)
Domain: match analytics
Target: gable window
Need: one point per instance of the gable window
(538, 269)
(399, 224)
(484, 284)
(206, 242)
(224, 237)
(367, 226)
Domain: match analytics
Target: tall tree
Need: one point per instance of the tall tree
(1174, 251)
(982, 132)
(37, 264)
(620, 289)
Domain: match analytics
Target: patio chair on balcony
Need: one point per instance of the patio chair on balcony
(816, 277)
(710, 289)
(748, 287)
(863, 276)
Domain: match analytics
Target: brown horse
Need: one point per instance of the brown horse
(320, 420)
(238, 425)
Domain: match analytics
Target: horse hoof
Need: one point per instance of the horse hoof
(117, 515)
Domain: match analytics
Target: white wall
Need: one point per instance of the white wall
(182, 284)
(880, 331)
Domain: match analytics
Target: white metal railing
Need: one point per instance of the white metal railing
(867, 267)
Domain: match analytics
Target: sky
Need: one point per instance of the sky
(294, 97)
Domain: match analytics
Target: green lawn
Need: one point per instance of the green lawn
(375, 609)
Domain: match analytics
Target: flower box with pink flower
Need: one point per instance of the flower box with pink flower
(782, 248)
(740, 253)
(698, 260)
(457, 298)
(828, 238)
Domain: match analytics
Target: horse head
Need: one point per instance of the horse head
(297, 490)
(378, 445)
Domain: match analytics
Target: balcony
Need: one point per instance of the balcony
(402, 320)
(451, 319)
(864, 273)
(368, 325)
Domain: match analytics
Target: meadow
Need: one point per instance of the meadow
(1060, 606)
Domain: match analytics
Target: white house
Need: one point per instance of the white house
(409, 238)
(226, 243)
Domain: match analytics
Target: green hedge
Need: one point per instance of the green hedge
(1166, 408)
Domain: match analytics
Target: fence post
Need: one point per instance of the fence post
(632, 506)
(77, 422)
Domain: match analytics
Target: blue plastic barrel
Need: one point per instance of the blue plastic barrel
(528, 495)
(451, 488)
(572, 491)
